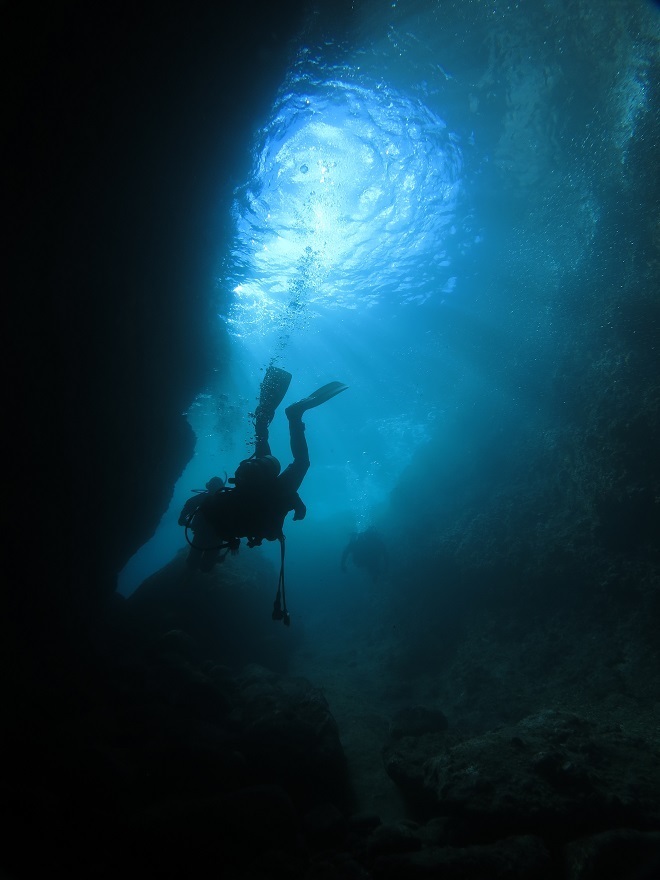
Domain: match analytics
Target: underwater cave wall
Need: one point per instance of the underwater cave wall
(126, 135)
(549, 528)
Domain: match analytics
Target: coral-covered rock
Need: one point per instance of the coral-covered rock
(517, 858)
(290, 736)
(620, 853)
(417, 720)
(551, 774)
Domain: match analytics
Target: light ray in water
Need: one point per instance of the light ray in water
(350, 205)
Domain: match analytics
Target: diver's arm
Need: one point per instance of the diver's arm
(299, 509)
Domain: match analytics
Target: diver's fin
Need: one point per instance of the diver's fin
(274, 386)
(316, 398)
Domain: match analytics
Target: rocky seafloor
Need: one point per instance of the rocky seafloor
(140, 751)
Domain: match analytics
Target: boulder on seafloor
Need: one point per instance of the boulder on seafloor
(553, 774)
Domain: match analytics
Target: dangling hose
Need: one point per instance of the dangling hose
(279, 606)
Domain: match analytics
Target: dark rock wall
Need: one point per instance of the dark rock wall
(125, 131)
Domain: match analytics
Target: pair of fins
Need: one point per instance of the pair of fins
(275, 385)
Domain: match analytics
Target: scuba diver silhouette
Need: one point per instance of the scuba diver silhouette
(205, 551)
(260, 497)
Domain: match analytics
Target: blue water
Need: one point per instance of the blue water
(418, 223)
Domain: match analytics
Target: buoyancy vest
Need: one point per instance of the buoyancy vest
(255, 515)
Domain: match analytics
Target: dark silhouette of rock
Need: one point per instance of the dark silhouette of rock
(515, 858)
(417, 720)
(622, 853)
(553, 774)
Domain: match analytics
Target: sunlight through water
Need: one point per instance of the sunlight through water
(351, 203)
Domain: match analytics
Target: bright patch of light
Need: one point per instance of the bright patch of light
(350, 203)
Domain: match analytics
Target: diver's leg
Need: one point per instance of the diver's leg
(195, 542)
(271, 393)
(193, 558)
(295, 473)
(209, 559)
(261, 445)
(206, 563)
(298, 442)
